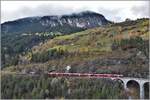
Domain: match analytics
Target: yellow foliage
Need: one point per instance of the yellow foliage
(29, 56)
(83, 49)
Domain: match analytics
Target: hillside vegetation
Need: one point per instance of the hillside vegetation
(43, 87)
(117, 48)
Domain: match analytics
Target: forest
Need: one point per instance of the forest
(44, 87)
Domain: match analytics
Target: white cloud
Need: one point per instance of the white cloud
(112, 10)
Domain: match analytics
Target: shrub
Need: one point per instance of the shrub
(52, 53)
(135, 42)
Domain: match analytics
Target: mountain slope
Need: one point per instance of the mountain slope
(61, 24)
(117, 48)
(20, 35)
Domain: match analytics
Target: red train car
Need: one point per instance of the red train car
(54, 74)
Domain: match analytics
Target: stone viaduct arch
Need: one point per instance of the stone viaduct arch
(141, 82)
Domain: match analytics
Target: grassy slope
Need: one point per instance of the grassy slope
(91, 37)
(91, 45)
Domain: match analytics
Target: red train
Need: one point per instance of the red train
(55, 74)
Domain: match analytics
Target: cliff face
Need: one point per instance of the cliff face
(81, 20)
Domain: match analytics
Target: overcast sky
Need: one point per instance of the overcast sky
(113, 10)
